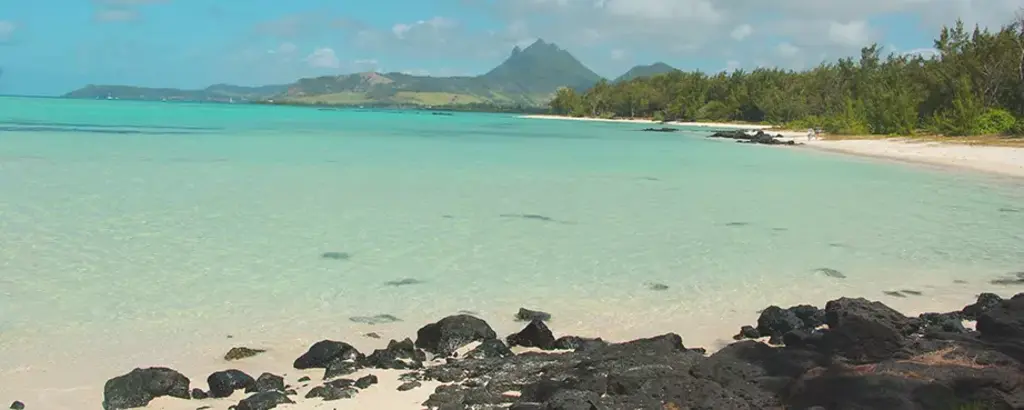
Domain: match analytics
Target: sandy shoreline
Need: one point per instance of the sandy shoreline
(278, 360)
(717, 125)
(1005, 161)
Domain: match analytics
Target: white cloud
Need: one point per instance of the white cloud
(607, 34)
(732, 65)
(741, 32)
(7, 29)
(788, 50)
(687, 10)
(926, 52)
(852, 34)
(284, 49)
(323, 57)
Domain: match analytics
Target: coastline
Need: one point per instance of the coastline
(996, 160)
(716, 125)
(1002, 161)
(796, 332)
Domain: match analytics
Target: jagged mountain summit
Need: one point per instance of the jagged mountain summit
(529, 76)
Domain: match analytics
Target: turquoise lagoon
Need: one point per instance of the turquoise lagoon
(137, 234)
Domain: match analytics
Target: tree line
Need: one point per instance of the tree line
(974, 85)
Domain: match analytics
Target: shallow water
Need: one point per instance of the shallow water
(145, 233)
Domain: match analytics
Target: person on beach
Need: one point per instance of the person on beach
(811, 134)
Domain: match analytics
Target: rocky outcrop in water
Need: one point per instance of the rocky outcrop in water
(759, 137)
(853, 354)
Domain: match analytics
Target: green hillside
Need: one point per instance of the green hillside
(641, 71)
(529, 77)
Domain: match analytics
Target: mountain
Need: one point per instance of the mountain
(528, 76)
(645, 71)
(217, 92)
(540, 68)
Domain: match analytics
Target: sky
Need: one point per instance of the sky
(49, 47)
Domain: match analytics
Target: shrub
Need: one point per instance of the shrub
(996, 121)
(659, 116)
(1018, 128)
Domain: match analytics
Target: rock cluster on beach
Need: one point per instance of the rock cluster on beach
(759, 137)
(853, 354)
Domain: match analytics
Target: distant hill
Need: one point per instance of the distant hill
(645, 71)
(218, 92)
(529, 76)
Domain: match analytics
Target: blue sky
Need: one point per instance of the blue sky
(49, 47)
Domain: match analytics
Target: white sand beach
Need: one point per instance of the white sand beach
(1007, 161)
(720, 125)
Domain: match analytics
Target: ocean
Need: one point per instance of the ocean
(141, 234)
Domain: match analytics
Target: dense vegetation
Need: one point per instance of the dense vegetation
(974, 86)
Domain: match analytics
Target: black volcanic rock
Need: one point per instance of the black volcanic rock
(985, 302)
(1003, 321)
(330, 392)
(263, 401)
(365, 381)
(238, 353)
(490, 348)
(451, 333)
(759, 137)
(578, 344)
(323, 353)
(267, 382)
(535, 334)
(527, 315)
(869, 357)
(398, 355)
(140, 386)
(224, 383)
(341, 368)
(864, 331)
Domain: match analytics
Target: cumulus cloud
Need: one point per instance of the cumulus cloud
(741, 32)
(607, 34)
(323, 57)
(788, 50)
(852, 34)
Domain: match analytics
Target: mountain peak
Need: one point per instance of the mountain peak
(541, 45)
(540, 68)
(645, 71)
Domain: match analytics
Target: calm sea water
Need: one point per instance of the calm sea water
(140, 233)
